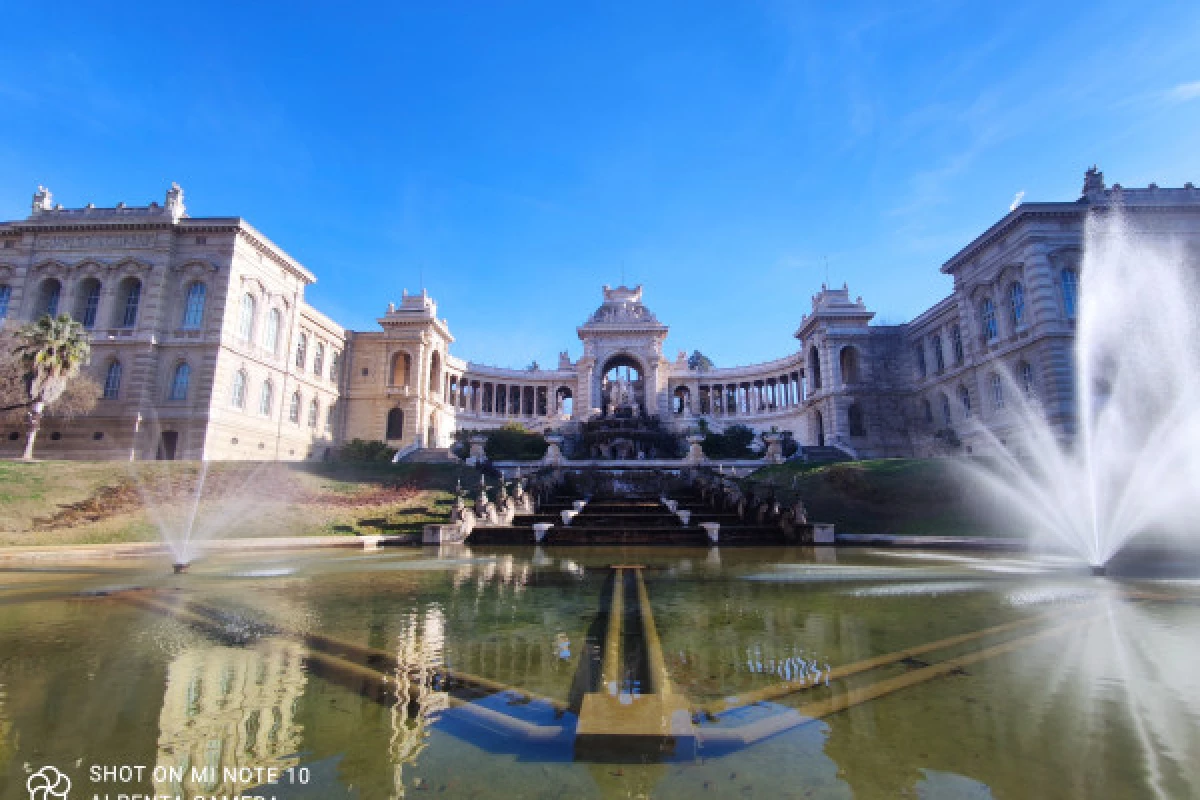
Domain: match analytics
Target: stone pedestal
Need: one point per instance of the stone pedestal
(443, 534)
(568, 515)
(713, 529)
(539, 530)
(477, 454)
(774, 454)
(695, 453)
(684, 517)
(554, 456)
(823, 533)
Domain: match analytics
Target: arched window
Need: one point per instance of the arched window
(294, 409)
(565, 401)
(314, 412)
(1025, 377)
(193, 307)
(927, 408)
(112, 380)
(1070, 291)
(854, 417)
(88, 303)
(947, 417)
(395, 424)
(1016, 303)
(318, 359)
(48, 296)
(271, 334)
(849, 364)
(130, 299)
(302, 351)
(987, 312)
(964, 397)
(265, 398)
(329, 418)
(5, 299)
(939, 358)
(997, 392)
(956, 344)
(246, 320)
(180, 380)
(814, 367)
(237, 397)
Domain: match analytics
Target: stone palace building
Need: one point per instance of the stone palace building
(205, 346)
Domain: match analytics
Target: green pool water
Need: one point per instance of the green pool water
(807, 673)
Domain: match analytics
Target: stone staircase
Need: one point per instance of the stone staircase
(431, 455)
(629, 520)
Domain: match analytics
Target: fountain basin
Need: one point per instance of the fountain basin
(180, 567)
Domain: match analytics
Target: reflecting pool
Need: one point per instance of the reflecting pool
(589, 672)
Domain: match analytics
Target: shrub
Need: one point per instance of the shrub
(734, 442)
(365, 451)
(513, 442)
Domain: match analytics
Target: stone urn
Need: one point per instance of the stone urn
(713, 529)
(695, 453)
(774, 454)
(579, 504)
(477, 454)
(554, 454)
(672, 505)
(568, 515)
(539, 530)
(684, 517)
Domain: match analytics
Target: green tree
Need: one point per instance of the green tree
(52, 350)
(698, 360)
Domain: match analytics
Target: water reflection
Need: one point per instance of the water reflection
(420, 645)
(228, 707)
(1135, 659)
(847, 676)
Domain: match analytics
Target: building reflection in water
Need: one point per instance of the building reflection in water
(6, 739)
(420, 655)
(229, 707)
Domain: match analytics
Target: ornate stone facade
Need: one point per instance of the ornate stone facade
(271, 378)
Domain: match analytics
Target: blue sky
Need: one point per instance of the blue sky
(727, 155)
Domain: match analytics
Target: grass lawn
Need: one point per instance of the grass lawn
(911, 497)
(63, 503)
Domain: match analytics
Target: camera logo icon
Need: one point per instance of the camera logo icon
(48, 783)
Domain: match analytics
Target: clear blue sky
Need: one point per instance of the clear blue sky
(722, 152)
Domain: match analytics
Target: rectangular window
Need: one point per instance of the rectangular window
(1070, 290)
(919, 357)
(112, 381)
(5, 297)
(939, 360)
(91, 305)
(991, 331)
(129, 317)
(193, 313)
(957, 343)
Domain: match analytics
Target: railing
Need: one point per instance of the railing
(405, 451)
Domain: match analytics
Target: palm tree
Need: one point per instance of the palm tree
(53, 349)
